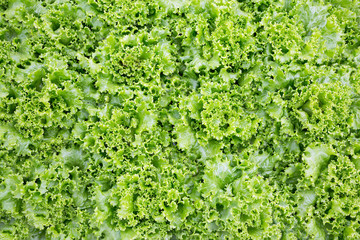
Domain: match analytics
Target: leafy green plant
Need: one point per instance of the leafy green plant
(184, 119)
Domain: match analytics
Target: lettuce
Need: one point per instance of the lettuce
(179, 119)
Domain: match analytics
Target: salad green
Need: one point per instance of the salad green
(179, 119)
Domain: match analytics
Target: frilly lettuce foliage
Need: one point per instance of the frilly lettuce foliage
(184, 119)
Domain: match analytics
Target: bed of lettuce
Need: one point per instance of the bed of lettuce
(174, 119)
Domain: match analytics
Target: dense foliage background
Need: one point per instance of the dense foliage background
(172, 119)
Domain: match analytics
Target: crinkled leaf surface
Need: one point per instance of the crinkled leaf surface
(179, 119)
